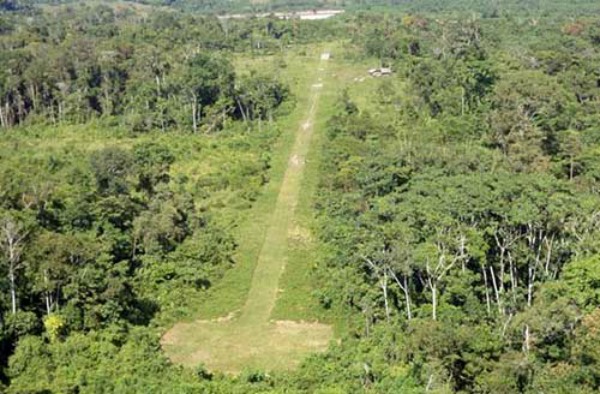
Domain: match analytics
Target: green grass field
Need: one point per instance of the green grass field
(235, 327)
(264, 314)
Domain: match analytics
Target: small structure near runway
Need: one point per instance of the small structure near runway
(380, 72)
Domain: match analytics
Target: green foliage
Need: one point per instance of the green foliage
(582, 282)
(153, 162)
(258, 96)
(22, 323)
(92, 363)
(54, 325)
(111, 167)
(465, 217)
(457, 206)
(123, 69)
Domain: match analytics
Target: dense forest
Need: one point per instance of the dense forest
(486, 8)
(456, 207)
(465, 211)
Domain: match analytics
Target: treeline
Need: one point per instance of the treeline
(462, 219)
(161, 71)
(486, 8)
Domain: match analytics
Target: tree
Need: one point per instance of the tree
(206, 80)
(13, 235)
(257, 96)
(529, 109)
(152, 163)
(111, 167)
(570, 148)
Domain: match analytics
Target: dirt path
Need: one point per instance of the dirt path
(252, 340)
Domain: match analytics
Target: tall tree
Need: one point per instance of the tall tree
(13, 234)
